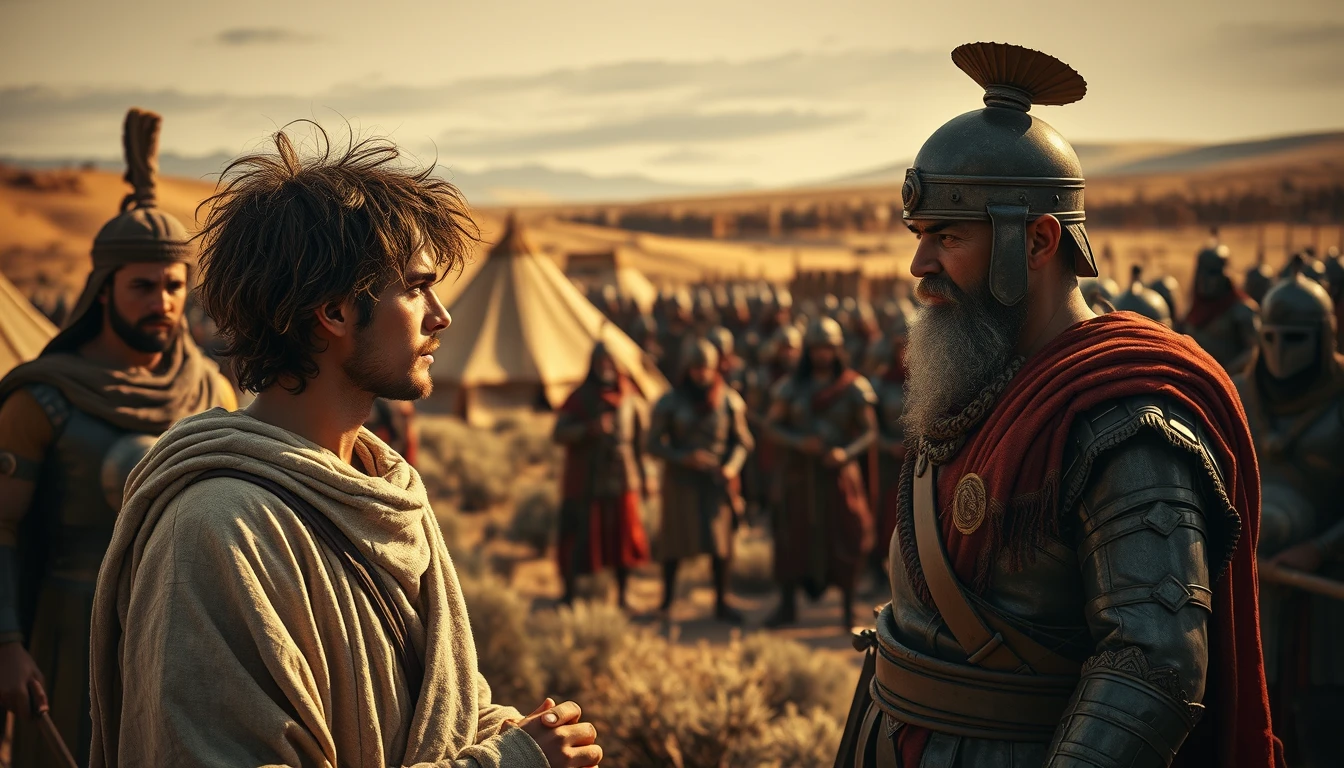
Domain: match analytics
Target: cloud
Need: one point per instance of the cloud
(241, 36)
(683, 127)
(1280, 55)
(687, 156)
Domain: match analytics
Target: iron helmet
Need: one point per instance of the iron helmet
(1211, 278)
(1297, 326)
(1002, 165)
(722, 339)
(824, 332)
(703, 353)
(1258, 280)
(1143, 300)
(1334, 271)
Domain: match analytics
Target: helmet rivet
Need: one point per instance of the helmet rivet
(956, 196)
(1021, 197)
(1056, 199)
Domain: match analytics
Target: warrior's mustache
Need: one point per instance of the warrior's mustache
(940, 288)
(430, 346)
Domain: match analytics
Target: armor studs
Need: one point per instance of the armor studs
(1162, 518)
(1171, 593)
(969, 504)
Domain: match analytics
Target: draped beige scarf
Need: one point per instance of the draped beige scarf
(224, 634)
(185, 383)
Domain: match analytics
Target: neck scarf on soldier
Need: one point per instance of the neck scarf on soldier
(184, 383)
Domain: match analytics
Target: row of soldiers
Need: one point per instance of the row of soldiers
(820, 400)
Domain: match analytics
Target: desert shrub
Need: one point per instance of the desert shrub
(657, 703)
(471, 466)
(536, 517)
(499, 625)
(795, 740)
(792, 672)
(531, 445)
(579, 643)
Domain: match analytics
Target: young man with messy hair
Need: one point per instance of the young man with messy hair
(277, 591)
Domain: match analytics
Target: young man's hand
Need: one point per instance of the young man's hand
(20, 681)
(566, 742)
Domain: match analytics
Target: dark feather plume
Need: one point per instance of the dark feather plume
(140, 138)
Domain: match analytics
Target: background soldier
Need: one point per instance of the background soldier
(1293, 392)
(73, 424)
(890, 388)
(1222, 317)
(700, 430)
(824, 416)
(1072, 574)
(601, 426)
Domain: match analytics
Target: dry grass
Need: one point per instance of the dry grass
(655, 703)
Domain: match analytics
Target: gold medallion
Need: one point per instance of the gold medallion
(968, 504)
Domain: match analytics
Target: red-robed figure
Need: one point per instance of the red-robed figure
(1072, 570)
(602, 427)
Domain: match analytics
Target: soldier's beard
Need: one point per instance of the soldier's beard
(955, 349)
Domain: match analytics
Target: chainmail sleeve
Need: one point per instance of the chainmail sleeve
(1142, 535)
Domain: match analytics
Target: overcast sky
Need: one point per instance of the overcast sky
(763, 91)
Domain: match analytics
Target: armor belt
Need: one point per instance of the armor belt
(918, 689)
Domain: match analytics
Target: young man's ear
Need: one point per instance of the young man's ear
(1043, 236)
(333, 319)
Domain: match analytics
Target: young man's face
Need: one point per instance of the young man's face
(144, 304)
(393, 352)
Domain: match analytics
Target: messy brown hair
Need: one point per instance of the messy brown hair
(289, 233)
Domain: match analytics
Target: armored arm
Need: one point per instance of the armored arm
(659, 441)
(775, 427)
(866, 416)
(570, 428)
(25, 433)
(740, 438)
(1143, 553)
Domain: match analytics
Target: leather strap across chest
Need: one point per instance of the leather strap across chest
(989, 641)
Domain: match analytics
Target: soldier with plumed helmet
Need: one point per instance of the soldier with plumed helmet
(1143, 300)
(1072, 569)
(823, 418)
(73, 424)
(1293, 392)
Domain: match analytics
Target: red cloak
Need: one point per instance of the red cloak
(1204, 310)
(1018, 452)
(596, 532)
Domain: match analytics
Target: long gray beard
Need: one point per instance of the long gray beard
(955, 350)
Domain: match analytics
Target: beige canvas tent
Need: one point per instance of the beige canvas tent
(597, 268)
(23, 330)
(521, 338)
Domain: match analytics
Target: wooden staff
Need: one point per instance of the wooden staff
(42, 715)
(1307, 582)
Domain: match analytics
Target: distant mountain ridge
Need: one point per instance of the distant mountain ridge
(509, 185)
(1144, 157)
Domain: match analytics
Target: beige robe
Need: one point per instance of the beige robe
(225, 635)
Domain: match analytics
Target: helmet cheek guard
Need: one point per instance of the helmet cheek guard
(1008, 257)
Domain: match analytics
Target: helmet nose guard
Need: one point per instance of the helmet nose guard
(1001, 165)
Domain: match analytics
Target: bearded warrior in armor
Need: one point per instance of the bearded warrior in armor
(1293, 391)
(73, 424)
(700, 431)
(823, 418)
(732, 367)
(1072, 573)
(601, 425)
(1222, 317)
